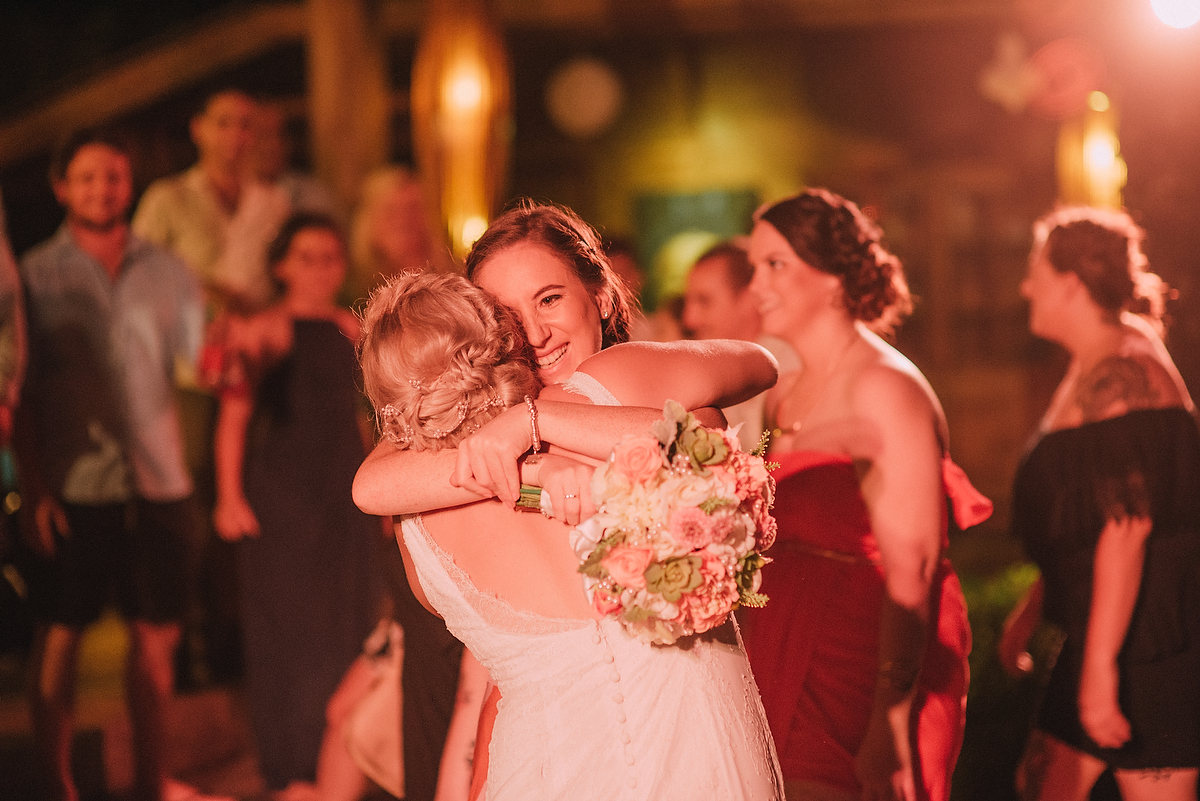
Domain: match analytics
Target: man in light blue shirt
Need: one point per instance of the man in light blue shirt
(108, 494)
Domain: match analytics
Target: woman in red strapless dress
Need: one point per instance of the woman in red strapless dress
(860, 655)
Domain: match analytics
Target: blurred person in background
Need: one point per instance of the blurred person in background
(1105, 502)
(861, 654)
(13, 347)
(393, 231)
(108, 499)
(290, 435)
(215, 216)
(271, 159)
(718, 304)
(218, 216)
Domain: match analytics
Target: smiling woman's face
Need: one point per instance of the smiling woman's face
(791, 292)
(559, 314)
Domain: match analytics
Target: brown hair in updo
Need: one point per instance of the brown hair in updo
(575, 242)
(440, 358)
(1103, 247)
(832, 235)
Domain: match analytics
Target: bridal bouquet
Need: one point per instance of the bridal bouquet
(684, 516)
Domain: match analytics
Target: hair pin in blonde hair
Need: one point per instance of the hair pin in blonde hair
(393, 426)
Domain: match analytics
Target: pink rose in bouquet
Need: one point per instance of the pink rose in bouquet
(627, 565)
(605, 603)
(766, 527)
(710, 602)
(638, 458)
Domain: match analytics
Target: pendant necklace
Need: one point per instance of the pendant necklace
(799, 423)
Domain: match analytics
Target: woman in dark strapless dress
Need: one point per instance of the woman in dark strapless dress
(860, 654)
(1106, 504)
(288, 443)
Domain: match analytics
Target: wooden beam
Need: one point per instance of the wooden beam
(146, 78)
(349, 99)
(247, 32)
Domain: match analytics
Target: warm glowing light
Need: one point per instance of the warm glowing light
(1090, 168)
(462, 115)
(1177, 13)
(465, 90)
(472, 229)
(1099, 152)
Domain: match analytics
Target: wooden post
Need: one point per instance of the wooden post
(348, 93)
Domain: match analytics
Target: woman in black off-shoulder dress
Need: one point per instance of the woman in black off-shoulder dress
(1107, 503)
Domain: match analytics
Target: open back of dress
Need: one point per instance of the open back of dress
(589, 712)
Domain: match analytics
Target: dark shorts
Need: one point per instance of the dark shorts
(133, 554)
(1161, 700)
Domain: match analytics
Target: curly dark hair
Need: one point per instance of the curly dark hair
(1103, 247)
(832, 235)
(577, 243)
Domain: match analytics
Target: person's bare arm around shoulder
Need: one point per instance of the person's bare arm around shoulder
(713, 372)
(392, 481)
(903, 491)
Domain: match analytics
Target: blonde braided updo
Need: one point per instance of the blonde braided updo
(440, 358)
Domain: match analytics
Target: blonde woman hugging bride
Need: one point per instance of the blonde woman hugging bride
(587, 710)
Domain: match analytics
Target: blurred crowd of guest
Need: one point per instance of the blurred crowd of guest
(186, 432)
(180, 386)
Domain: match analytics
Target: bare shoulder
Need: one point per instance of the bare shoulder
(885, 389)
(620, 357)
(694, 372)
(1138, 376)
(620, 368)
(891, 391)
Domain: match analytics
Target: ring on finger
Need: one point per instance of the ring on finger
(570, 495)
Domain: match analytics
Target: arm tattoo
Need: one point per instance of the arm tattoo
(1114, 386)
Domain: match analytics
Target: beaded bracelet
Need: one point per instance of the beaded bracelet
(533, 427)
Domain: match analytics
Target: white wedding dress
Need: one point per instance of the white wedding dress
(590, 712)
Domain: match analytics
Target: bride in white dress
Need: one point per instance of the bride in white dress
(587, 711)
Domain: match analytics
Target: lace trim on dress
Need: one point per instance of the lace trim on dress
(587, 386)
(494, 610)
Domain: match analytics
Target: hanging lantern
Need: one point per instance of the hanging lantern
(462, 116)
(1090, 168)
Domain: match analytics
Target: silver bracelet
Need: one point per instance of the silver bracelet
(533, 427)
